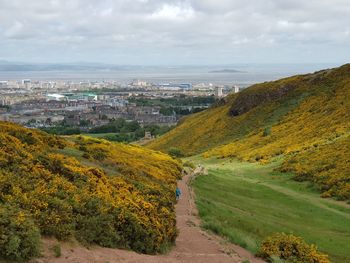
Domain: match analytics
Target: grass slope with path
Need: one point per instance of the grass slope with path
(246, 202)
(305, 118)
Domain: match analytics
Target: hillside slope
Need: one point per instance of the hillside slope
(305, 118)
(94, 191)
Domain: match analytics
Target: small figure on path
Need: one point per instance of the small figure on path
(177, 193)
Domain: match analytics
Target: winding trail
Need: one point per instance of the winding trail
(192, 244)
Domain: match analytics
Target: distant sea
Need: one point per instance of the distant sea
(235, 74)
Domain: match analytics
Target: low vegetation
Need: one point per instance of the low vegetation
(95, 191)
(175, 152)
(56, 249)
(20, 237)
(304, 118)
(181, 100)
(248, 202)
(118, 130)
(291, 249)
(180, 105)
(326, 165)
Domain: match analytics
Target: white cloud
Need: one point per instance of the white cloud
(173, 12)
(206, 29)
(15, 30)
(284, 24)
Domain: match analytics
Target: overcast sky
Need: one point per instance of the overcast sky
(175, 31)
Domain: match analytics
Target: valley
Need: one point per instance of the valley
(274, 180)
(246, 202)
(180, 131)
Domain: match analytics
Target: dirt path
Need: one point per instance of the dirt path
(192, 244)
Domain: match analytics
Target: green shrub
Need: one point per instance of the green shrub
(99, 155)
(57, 250)
(175, 152)
(267, 131)
(189, 164)
(133, 208)
(138, 237)
(275, 259)
(19, 237)
(82, 148)
(290, 248)
(98, 229)
(86, 156)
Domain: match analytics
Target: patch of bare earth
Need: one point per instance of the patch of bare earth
(192, 244)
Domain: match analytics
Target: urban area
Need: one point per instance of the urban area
(133, 111)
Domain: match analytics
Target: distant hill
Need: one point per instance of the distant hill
(94, 191)
(305, 119)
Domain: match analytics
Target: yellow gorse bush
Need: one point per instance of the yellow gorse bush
(19, 236)
(305, 118)
(66, 196)
(290, 248)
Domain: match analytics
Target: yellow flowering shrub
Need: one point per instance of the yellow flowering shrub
(304, 118)
(290, 248)
(326, 165)
(19, 237)
(70, 196)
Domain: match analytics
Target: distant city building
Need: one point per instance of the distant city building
(174, 86)
(75, 101)
(185, 85)
(3, 84)
(72, 97)
(148, 136)
(103, 97)
(26, 83)
(218, 91)
(117, 102)
(236, 89)
(139, 83)
(56, 97)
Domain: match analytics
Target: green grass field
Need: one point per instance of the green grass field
(246, 202)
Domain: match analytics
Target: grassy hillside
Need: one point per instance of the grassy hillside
(247, 202)
(97, 192)
(306, 118)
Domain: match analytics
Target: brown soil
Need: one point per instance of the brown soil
(192, 244)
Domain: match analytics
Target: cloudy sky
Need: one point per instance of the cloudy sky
(170, 32)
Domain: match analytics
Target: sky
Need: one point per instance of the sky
(175, 32)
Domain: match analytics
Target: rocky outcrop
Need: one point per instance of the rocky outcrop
(245, 101)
